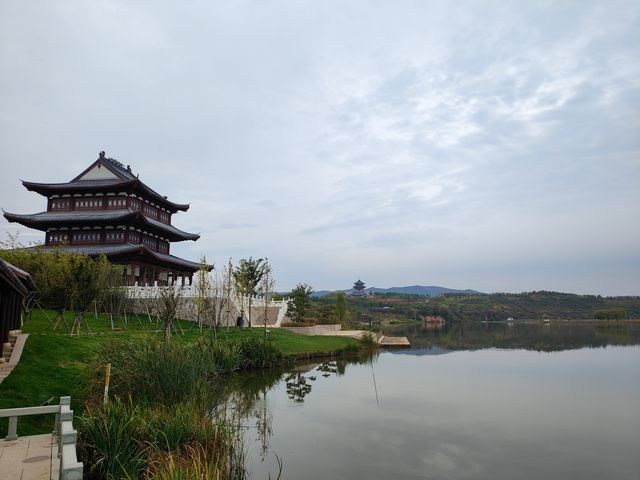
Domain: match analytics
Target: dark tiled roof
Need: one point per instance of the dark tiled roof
(43, 220)
(119, 168)
(111, 164)
(84, 184)
(123, 249)
(126, 180)
(17, 279)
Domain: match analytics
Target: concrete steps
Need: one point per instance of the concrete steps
(11, 352)
(7, 347)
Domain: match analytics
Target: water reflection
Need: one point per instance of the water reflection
(245, 397)
(484, 413)
(541, 336)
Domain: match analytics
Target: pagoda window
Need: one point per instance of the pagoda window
(57, 238)
(60, 204)
(88, 203)
(164, 217)
(86, 237)
(150, 211)
(150, 242)
(114, 237)
(116, 202)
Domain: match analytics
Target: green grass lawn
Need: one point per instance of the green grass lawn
(52, 362)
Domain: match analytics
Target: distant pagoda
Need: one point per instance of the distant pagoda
(107, 209)
(358, 289)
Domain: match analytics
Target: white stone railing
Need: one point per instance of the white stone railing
(70, 468)
(192, 291)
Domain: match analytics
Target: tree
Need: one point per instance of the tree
(300, 301)
(63, 280)
(203, 298)
(87, 279)
(247, 276)
(52, 275)
(266, 287)
(225, 286)
(113, 294)
(610, 314)
(341, 307)
(169, 302)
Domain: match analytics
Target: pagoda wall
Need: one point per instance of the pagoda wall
(106, 236)
(108, 201)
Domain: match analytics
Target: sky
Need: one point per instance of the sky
(485, 145)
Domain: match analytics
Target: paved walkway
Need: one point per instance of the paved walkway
(29, 458)
(6, 368)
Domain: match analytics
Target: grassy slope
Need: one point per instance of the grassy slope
(51, 364)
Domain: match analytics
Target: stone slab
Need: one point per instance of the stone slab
(27, 458)
(394, 342)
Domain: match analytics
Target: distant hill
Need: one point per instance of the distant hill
(322, 293)
(430, 291)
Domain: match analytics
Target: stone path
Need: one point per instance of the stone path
(6, 368)
(29, 458)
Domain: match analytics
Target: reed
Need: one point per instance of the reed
(127, 441)
(368, 341)
(109, 442)
(150, 372)
(161, 420)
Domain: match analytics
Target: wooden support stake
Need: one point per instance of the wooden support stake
(107, 378)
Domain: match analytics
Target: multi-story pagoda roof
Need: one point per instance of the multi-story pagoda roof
(102, 176)
(118, 252)
(45, 220)
(358, 289)
(106, 209)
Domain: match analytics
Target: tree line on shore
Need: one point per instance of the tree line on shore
(540, 305)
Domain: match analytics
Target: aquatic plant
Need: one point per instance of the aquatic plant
(108, 441)
(127, 441)
(368, 341)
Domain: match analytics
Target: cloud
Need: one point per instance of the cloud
(413, 142)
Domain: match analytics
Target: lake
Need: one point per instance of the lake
(559, 401)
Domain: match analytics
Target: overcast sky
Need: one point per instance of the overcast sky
(484, 145)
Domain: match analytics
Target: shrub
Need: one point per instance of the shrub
(368, 341)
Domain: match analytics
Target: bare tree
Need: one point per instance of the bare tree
(267, 284)
(203, 298)
(169, 302)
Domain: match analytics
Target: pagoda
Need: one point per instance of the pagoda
(358, 289)
(107, 209)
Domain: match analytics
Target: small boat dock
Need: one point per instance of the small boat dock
(336, 331)
(385, 341)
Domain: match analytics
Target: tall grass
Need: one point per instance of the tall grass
(127, 441)
(169, 373)
(368, 341)
(109, 442)
(161, 420)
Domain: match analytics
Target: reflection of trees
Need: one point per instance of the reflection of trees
(328, 368)
(529, 336)
(297, 386)
(243, 397)
(264, 421)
